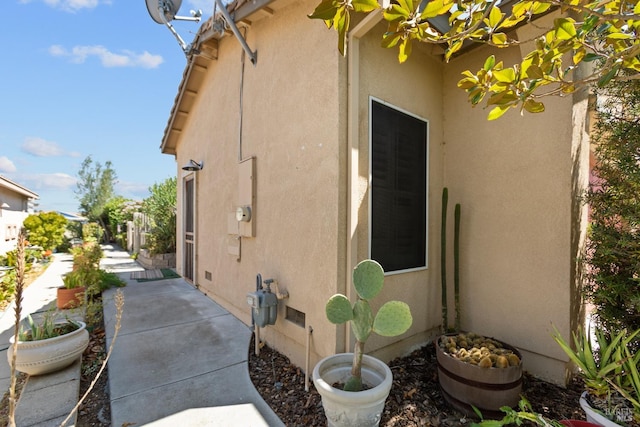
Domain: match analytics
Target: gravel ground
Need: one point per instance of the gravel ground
(415, 398)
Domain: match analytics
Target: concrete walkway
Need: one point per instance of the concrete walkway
(46, 400)
(179, 357)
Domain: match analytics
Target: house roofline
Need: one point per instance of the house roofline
(14, 186)
(206, 43)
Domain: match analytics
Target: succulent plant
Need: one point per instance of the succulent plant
(393, 318)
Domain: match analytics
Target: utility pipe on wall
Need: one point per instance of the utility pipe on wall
(307, 357)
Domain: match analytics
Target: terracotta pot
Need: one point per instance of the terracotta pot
(465, 385)
(347, 408)
(70, 298)
(51, 354)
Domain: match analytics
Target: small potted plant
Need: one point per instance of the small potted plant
(354, 386)
(71, 295)
(610, 376)
(49, 345)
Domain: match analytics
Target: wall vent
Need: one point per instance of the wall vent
(295, 316)
(207, 275)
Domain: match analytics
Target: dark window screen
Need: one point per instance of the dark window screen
(398, 189)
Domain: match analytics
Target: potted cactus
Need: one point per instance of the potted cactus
(354, 386)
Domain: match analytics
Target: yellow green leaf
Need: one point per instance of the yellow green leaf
(533, 106)
(578, 55)
(507, 75)
(406, 5)
(435, 8)
(365, 5)
(534, 72)
(489, 63)
(453, 48)
(497, 112)
(467, 83)
(395, 12)
(391, 39)
(511, 21)
(499, 39)
(343, 28)
(495, 16)
(404, 50)
(618, 36)
(565, 29)
(325, 11)
(540, 7)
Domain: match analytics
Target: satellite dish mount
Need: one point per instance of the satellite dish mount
(164, 11)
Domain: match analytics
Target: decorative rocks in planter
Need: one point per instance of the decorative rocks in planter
(478, 371)
(48, 355)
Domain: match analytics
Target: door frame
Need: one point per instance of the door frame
(189, 237)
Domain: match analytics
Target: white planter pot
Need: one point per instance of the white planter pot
(594, 416)
(49, 355)
(345, 408)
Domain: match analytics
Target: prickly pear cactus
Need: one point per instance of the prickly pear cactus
(393, 318)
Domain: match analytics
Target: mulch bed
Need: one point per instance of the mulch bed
(415, 398)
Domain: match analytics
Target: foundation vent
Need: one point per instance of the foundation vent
(207, 275)
(295, 316)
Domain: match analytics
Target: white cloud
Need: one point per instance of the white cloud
(46, 181)
(206, 6)
(79, 55)
(132, 190)
(71, 5)
(41, 148)
(6, 165)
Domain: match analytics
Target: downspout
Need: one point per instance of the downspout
(353, 144)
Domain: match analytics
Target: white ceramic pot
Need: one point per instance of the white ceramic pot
(594, 416)
(346, 408)
(49, 355)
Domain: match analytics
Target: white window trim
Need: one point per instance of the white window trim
(370, 178)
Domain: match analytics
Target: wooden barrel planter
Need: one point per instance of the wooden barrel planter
(465, 385)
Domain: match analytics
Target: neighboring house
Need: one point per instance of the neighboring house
(15, 206)
(342, 159)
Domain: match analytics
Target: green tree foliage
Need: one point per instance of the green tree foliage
(160, 208)
(46, 229)
(95, 187)
(614, 240)
(118, 211)
(600, 33)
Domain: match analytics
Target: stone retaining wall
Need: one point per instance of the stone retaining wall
(156, 261)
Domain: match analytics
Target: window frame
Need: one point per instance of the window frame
(373, 99)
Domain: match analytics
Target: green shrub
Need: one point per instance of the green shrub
(45, 229)
(614, 233)
(92, 232)
(160, 209)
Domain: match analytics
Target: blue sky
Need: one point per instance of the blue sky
(87, 78)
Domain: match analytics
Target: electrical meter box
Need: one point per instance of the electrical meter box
(264, 307)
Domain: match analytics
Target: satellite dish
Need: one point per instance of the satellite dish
(163, 11)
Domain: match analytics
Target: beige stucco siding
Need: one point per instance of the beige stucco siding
(292, 126)
(305, 121)
(416, 88)
(513, 178)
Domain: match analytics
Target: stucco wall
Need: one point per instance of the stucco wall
(517, 181)
(416, 88)
(292, 125)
